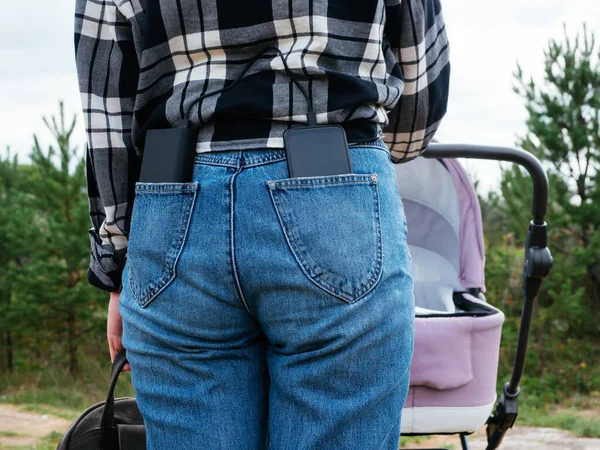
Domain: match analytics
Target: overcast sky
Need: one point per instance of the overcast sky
(487, 38)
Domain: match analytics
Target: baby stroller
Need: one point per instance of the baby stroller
(457, 334)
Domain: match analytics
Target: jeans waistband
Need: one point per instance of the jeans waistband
(252, 157)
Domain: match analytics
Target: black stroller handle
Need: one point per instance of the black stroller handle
(538, 262)
(539, 203)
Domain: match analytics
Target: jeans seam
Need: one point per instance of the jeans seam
(165, 187)
(232, 240)
(215, 163)
(229, 162)
(319, 181)
(378, 144)
(264, 161)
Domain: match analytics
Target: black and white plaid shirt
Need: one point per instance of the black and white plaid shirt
(379, 68)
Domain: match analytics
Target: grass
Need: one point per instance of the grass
(578, 413)
(404, 440)
(49, 442)
(10, 434)
(580, 423)
(570, 419)
(54, 391)
(43, 409)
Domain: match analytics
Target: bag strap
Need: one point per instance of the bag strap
(108, 415)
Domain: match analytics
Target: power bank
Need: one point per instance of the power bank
(169, 155)
(317, 151)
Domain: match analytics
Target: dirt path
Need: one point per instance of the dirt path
(519, 438)
(20, 428)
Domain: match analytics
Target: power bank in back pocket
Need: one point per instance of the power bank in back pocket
(169, 155)
(317, 151)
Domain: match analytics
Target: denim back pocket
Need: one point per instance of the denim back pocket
(159, 223)
(332, 226)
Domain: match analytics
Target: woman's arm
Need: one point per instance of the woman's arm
(107, 70)
(416, 34)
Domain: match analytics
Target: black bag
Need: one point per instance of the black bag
(115, 424)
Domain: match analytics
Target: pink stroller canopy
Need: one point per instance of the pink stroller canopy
(445, 234)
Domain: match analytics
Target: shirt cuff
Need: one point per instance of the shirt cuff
(106, 265)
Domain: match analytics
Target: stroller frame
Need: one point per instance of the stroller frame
(538, 262)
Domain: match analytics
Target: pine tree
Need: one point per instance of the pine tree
(564, 131)
(57, 305)
(16, 240)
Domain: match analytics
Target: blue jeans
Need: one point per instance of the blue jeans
(262, 311)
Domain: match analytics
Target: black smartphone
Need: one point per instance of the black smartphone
(317, 151)
(168, 155)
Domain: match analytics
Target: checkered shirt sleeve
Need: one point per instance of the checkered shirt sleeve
(416, 36)
(107, 70)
